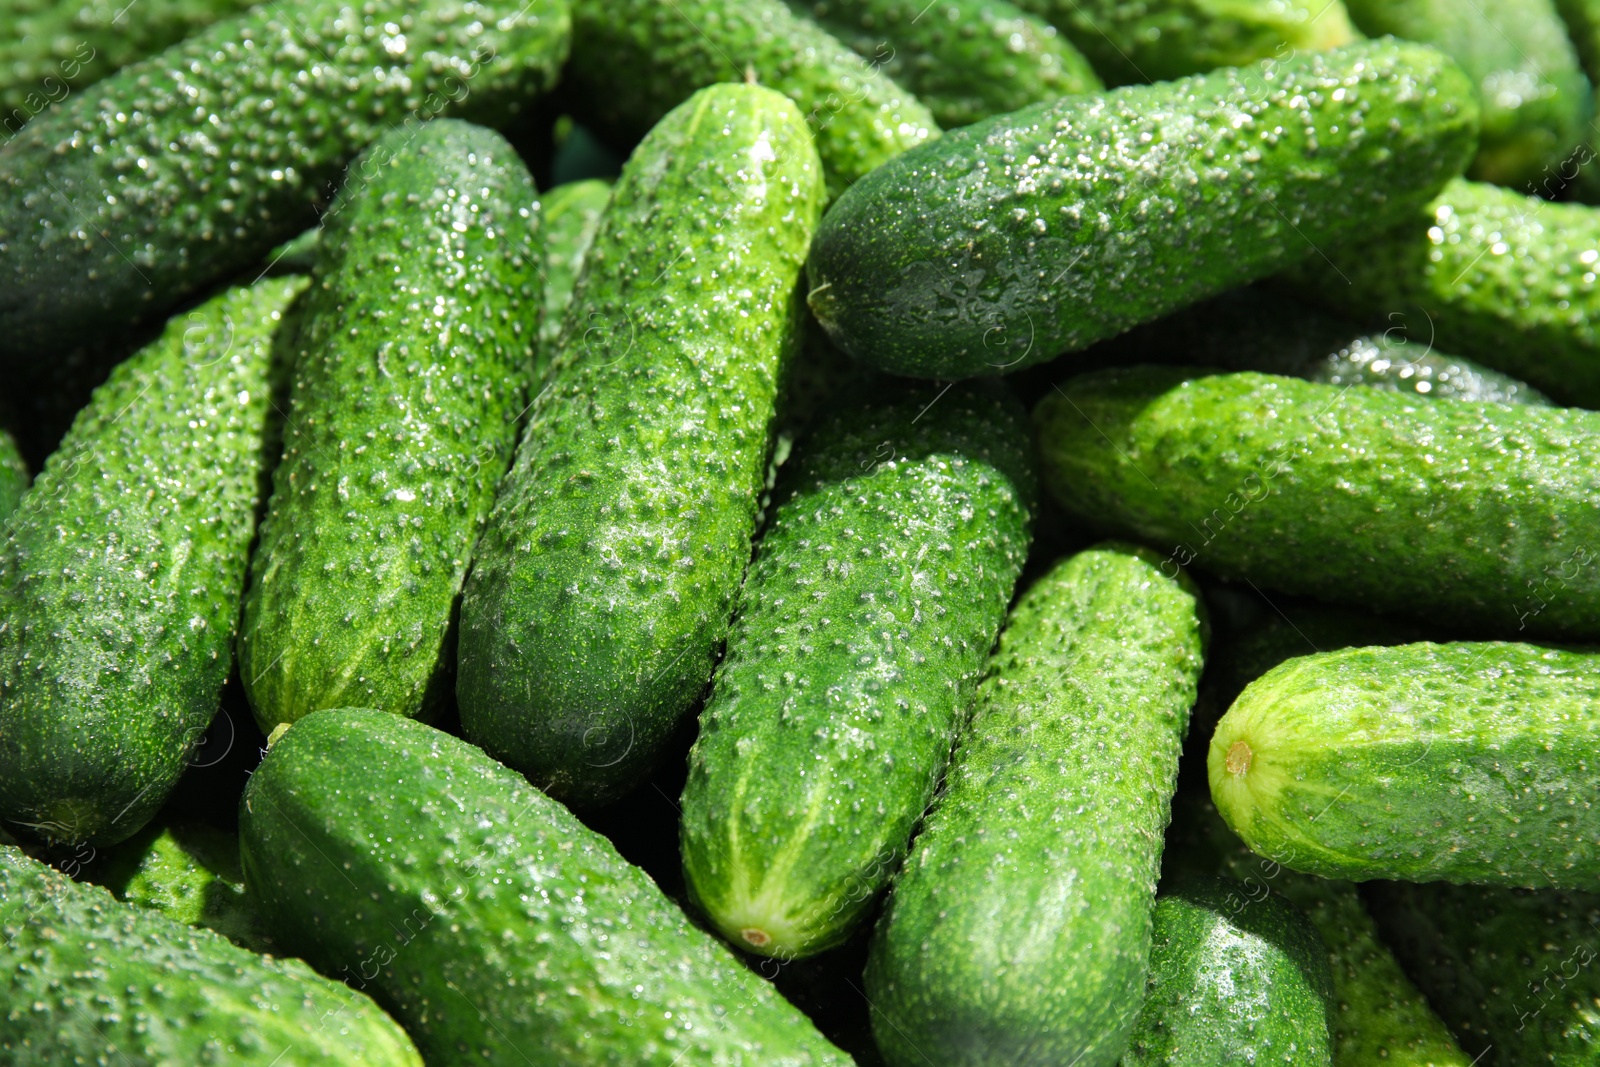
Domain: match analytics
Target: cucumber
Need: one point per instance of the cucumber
(93, 980)
(1582, 20)
(1007, 242)
(965, 59)
(1157, 40)
(1536, 99)
(602, 587)
(414, 362)
(1467, 762)
(571, 215)
(1480, 513)
(877, 591)
(495, 926)
(1018, 931)
(13, 475)
(122, 571)
(1233, 979)
(1510, 970)
(126, 197)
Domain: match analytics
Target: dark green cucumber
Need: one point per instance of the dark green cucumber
(1478, 513)
(1469, 762)
(1007, 242)
(1233, 979)
(965, 59)
(415, 357)
(495, 926)
(602, 588)
(13, 475)
(1582, 19)
(635, 60)
(122, 571)
(863, 626)
(570, 216)
(1018, 931)
(93, 980)
(1512, 971)
(189, 166)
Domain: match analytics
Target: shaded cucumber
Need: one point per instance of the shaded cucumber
(570, 215)
(13, 475)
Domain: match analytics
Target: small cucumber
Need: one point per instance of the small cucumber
(603, 585)
(1469, 762)
(1007, 242)
(93, 980)
(1471, 512)
(415, 356)
(635, 60)
(122, 572)
(965, 59)
(496, 927)
(874, 599)
(1233, 979)
(13, 475)
(570, 216)
(1018, 931)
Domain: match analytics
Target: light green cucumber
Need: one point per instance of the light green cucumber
(878, 587)
(570, 216)
(13, 475)
(1018, 931)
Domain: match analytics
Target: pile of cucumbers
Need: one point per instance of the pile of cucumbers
(800, 532)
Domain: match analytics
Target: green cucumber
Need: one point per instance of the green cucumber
(189, 166)
(93, 980)
(415, 357)
(495, 926)
(603, 585)
(635, 60)
(1233, 979)
(1469, 762)
(571, 215)
(965, 59)
(875, 596)
(1480, 513)
(1018, 931)
(13, 475)
(122, 572)
(1007, 242)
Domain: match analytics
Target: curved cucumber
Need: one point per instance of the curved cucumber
(415, 354)
(1007, 242)
(1481, 513)
(1458, 763)
(602, 588)
(122, 572)
(1018, 931)
(874, 599)
(13, 475)
(570, 215)
(494, 925)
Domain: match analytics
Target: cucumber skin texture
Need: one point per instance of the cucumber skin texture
(570, 216)
(1466, 762)
(876, 593)
(13, 475)
(634, 60)
(133, 241)
(602, 588)
(1232, 980)
(1536, 100)
(965, 59)
(414, 362)
(1010, 241)
(1303, 494)
(572, 952)
(1018, 931)
(122, 573)
(102, 975)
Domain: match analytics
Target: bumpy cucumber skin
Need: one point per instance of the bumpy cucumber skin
(122, 572)
(1536, 100)
(1232, 980)
(1025, 235)
(494, 925)
(1482, 513)
(13, 475)
(93, 980)
(1468, 762)
(188, 166)
(570, 215)
(603, 585)
(965, 59)
(874, 599)
(634, 60)
(415, 357)
(1018, 931)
